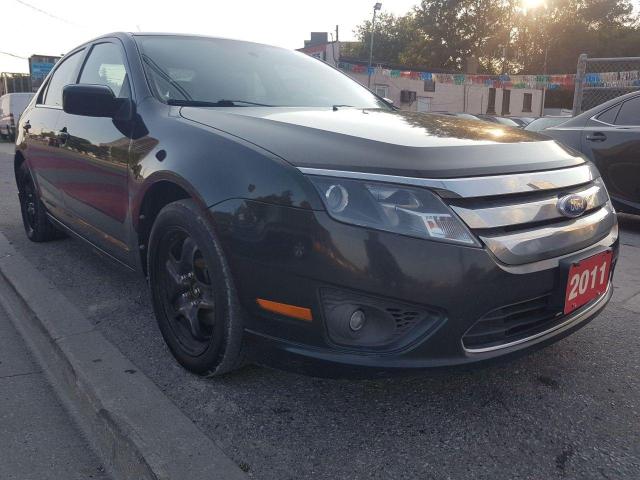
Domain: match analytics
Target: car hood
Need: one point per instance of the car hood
(387, 142)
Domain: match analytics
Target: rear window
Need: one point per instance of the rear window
(629, 113)
(609, 116)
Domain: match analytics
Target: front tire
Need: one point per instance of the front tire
(193, 296)
(34, 214)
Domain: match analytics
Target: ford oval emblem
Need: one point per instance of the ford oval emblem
(572, 206)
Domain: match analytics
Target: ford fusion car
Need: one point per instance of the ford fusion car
(285, 215)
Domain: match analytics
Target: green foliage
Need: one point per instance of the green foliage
(445, 33)
(393, 35)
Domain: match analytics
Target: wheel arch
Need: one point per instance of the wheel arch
(158, 192)
(18, 160)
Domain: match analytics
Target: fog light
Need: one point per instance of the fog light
(356, 322)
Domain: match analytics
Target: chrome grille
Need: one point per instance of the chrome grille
(541, 207)
(511, 322)
(526, 225)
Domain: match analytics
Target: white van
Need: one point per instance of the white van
(11, 107)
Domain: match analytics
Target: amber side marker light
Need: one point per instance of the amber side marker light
(300, 313)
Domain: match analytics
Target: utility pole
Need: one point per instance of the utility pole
(376, 7)
(544, 72)
(580, 73)
(505, 50)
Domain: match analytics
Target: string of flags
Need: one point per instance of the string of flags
(613, 79)
(550, 82)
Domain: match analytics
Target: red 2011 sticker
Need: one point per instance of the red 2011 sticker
(588, 279)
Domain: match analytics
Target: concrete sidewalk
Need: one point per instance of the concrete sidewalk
(38, 440)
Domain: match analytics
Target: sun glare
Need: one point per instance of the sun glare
(531, 4)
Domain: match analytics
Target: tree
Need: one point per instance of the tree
(442, 34)
(452, 31)
(392, 35)
(564, 29)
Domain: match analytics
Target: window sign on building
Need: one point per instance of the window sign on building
(39, 68)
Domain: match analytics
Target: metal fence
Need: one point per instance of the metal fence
(14, 82)
(601, 79)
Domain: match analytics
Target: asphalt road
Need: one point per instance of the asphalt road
(571, 410)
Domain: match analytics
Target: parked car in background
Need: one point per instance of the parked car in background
(541, 123)
(507, 122)
(467, 116)
(609, 135)
(285, 214)
(522, 121)
(11, 107)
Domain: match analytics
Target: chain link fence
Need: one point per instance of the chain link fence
(601, 79)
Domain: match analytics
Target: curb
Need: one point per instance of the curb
(134, 428)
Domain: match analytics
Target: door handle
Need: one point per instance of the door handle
(26, 126)
(597, 137)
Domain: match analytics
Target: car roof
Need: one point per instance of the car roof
(579, 119)
(164, 34)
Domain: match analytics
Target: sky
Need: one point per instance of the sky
(285, 23)
(52, 28)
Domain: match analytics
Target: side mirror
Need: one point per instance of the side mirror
(90, 101)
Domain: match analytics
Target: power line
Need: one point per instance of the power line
(39, 10)
(14, 55)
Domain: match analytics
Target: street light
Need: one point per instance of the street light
(376, 7)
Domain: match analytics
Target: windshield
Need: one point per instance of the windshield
(227, 73)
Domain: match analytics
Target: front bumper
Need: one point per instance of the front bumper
(291, 255)
(287, 355)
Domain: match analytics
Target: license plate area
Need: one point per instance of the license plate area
(587, 279)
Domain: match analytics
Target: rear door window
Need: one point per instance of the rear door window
(64, 75)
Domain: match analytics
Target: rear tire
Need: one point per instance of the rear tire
(193, 295)
(37, 225)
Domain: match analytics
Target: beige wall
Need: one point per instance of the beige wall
(452, 98)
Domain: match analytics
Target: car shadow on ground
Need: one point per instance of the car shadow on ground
(629, 222)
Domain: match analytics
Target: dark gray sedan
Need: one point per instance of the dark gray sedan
(609, 135)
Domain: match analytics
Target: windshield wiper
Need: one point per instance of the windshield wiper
(335, 107)
(219, 103)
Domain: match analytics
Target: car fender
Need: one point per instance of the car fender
(211, 166)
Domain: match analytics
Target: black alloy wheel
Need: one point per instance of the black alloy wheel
(193, 295)
(189, 299)
(34, 215)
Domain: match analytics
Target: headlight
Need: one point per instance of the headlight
(406, 210)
